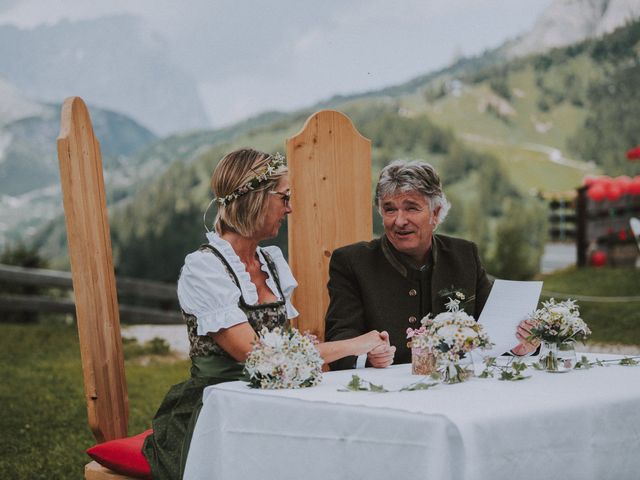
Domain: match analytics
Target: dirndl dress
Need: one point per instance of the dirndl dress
(167, 447)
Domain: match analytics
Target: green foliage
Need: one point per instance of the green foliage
(152, 235)
(461, 161)
(613, 123)
(494, 187)
(390, 131)
(542, 63)
(512, 372)
(419, 386)
(501, 87)
(519, 241)
(43, 419)
(585, 364)
(21, 255)
(436, 92)
(357, 384)
(619, 46)
(629, 361)
(156, 346)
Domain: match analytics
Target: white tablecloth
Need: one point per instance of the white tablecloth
(577, 425)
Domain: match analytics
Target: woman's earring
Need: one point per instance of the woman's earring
(204, 216)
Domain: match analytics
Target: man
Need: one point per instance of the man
(392, 282)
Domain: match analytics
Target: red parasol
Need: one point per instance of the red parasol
(634, 153)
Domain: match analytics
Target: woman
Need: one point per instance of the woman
(228, 290)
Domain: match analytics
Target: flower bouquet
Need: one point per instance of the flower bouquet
(558, 326)
(423, 360)
(284, 358)
(450, 336)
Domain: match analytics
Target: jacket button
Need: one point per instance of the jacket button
(412, 319)
(412, 292)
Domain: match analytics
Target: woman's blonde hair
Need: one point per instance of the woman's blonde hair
(244, 214)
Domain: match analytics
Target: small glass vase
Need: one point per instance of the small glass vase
(423, 361)
(456, 372)
(557, 357)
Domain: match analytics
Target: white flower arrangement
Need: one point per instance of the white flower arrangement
(284, 358)
(559, 322)
(451, 334)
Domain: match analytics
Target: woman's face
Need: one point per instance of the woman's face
(277, 209)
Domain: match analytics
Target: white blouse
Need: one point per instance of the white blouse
(206, 290)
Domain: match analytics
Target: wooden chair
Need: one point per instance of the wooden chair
(330, 169)
(94, 285)
(330, 174)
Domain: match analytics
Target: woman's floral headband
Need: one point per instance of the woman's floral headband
(272, 167)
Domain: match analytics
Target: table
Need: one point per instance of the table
(578, 425)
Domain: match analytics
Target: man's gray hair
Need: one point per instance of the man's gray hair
(402, 176)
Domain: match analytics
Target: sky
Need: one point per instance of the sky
(252, 56)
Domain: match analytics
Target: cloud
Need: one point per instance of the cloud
(248, 56)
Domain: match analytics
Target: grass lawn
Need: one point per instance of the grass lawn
(530, 171)
(43, 419)
(617, 322)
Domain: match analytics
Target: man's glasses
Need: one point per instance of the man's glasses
(285, 196)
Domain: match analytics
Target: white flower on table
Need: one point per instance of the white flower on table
(273, 339)
(284, 359)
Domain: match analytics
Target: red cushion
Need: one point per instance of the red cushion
(123, 456)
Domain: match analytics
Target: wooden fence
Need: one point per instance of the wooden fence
(152, 302)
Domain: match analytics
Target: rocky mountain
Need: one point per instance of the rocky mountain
(571, 21)
(14, 106)
(29, 178)
(112, 62)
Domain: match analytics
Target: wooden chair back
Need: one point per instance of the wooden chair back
(92, 271)
(330, 172)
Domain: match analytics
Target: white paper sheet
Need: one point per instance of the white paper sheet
(508, 304)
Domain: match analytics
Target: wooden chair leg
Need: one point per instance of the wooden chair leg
(95, 471)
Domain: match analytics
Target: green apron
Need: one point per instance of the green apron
(167, 448)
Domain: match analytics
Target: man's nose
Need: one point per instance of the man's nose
(401, 218)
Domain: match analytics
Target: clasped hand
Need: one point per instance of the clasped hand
(381, 356)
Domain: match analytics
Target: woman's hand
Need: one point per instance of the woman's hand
(523, 332)
(382, 355)
(374, 343)
(367, 342)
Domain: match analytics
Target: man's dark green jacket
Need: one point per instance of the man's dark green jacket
(372, 286)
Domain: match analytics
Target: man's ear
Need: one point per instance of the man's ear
(435, 215)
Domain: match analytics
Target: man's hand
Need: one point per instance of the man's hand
(523, 332)
(382, 355)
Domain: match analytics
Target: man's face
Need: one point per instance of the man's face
(409, 223)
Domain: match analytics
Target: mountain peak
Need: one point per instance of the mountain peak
(14, 106)
(570, 21)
